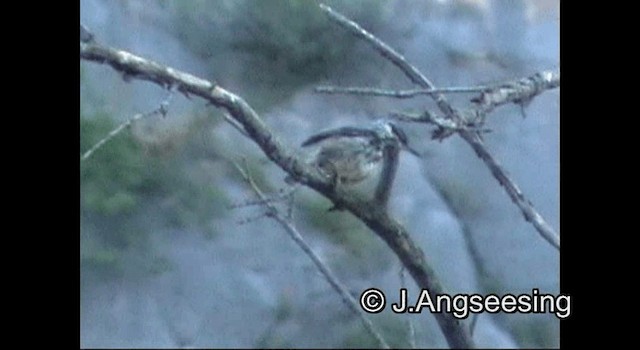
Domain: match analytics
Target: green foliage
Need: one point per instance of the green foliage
(159, 265)
(393, 329)
(341, 227)
(293, 32)
(292, 43)
(364, 252)
(107, 245)
(281, 44)
(270, 337)
(193, 203)
(536, 333)
(111, 177)
(126, 193)
(104, 261)
(254, 166)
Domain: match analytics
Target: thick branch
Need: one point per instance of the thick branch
(374, 216)
(471, 136)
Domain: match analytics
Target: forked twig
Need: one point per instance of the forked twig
(472, 137)
(339, 287)
(162, 110)
(376, 217)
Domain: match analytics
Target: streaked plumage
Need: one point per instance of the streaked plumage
(349, 155)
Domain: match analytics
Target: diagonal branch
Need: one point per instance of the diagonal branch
(471, 136)
(338, 286)
(392, 55)
(374, 216)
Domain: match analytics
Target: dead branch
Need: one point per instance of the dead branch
(370, 91)
(472, 136)
(274, 213)
(373, 215)
(520, 91)
(161, 110)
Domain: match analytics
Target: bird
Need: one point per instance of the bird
(350, 155)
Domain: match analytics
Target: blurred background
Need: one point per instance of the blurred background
(167, 262)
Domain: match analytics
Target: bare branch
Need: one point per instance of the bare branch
(333, 280)
(162, 110)
(369, 91)
(426, 117)
(446, 127)
(471, 136)
(527, 209)
(389, 53)
(85, 34)
(281, 196)
(250, 219)
(234, 123)
(520, 91)
(374, 216)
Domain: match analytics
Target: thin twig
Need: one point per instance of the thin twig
(290, 202)
(85, 34)
(369, 91)
(278, 197)
(161, 110)
(339, 287)
(446, 127)
(386, 51)
(519, 91)
(250, 219)
(234, 123)
(411, 328)
(425, 117)
(471, 136)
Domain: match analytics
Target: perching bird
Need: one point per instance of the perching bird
(349, 155)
